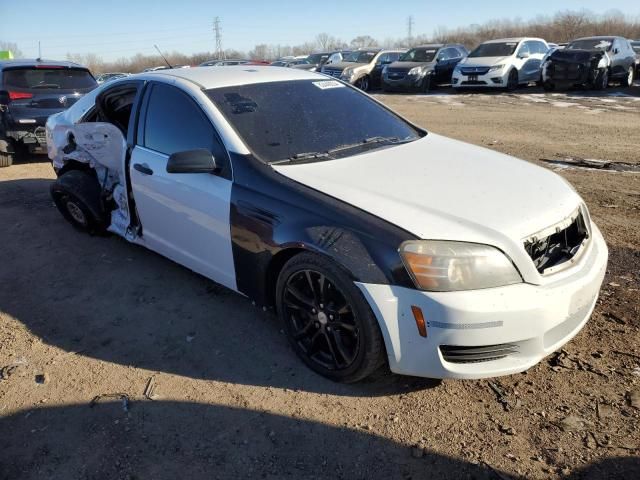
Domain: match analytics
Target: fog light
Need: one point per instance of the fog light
(419, 318)
(496, 79)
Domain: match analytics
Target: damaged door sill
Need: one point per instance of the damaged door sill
(591, 164)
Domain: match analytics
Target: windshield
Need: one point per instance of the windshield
(48, 79)
(360, 57)
(282, 120)
(316, 58)
(419, 55)
(499, 49)
(591, 44)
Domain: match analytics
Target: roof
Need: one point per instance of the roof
(597, 37)
(216, 77)
(513, 39)
(28, 62)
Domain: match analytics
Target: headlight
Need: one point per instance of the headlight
(457, 68)
(495, 68)
(384, 69)
(347, 73)
(444, 266)
(416, 71)
(313, 69)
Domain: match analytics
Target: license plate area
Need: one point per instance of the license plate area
(473, 78)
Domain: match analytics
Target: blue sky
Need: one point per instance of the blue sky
(120, 28)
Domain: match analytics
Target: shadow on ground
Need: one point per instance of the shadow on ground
(190, 440)
(110, 300)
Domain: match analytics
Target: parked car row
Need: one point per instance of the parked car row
(503, 63)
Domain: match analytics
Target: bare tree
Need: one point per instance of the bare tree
(12, 47)
(363, 41)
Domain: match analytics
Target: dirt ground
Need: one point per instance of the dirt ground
(89, 325)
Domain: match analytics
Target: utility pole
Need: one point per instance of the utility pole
(410, 29)
(39, 50)
(218, 32)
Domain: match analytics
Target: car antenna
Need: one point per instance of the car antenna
(166, 61)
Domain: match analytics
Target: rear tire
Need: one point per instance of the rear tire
(6, 159)
(77, 194)
(548, 86)
(330, 325)
(7, 155)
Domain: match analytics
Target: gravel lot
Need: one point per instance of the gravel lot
(117, 363)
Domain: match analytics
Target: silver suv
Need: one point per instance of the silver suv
(363, 68)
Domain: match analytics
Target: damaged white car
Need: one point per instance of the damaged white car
(375, 241)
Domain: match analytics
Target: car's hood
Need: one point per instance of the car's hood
(410, 65)
(576, 56)
(483, 61)
(343, 65)
(305, 66)
(439, 188)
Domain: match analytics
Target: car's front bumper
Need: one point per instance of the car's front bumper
(532, 320)
(495, 79)
(406, 82)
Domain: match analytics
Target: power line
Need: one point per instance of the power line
(218, 31)
(410, 28)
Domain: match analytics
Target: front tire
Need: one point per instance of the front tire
(328, 322)
(513, 80)
(628, 80)
(602, 80)
(77, 194)
(363, 83)
(425, 86)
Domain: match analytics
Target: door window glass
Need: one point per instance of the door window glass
(175, 123)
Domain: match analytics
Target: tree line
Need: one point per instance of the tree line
(561, 27)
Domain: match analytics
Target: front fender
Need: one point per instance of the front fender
(271, 214)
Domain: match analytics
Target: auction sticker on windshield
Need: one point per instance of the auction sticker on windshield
(325, 84)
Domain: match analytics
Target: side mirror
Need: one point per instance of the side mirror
(4, 97)
(192, 161)
(616, 51)
(524, 55)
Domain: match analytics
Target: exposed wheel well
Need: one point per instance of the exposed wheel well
(274, 269)
(75, 165)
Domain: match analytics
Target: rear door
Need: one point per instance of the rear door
(184, 216)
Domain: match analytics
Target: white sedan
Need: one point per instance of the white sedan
(375, 241)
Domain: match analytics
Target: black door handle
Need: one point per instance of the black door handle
(143, 168)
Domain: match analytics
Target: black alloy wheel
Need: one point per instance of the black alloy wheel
(329, 323)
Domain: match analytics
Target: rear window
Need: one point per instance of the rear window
(280, 120)
(48, 79)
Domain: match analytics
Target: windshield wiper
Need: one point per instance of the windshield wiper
(302, 157)
(369, 141)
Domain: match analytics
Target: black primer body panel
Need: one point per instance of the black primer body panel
(273, 216)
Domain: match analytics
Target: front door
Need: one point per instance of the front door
(184, 216)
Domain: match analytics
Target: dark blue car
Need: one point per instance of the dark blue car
(30, 91)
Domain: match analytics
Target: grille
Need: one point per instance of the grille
(474, 70)
(473, 82)
(566, 71)
(559, 247)
(483, 353)
(332, 72)
(396, 73)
